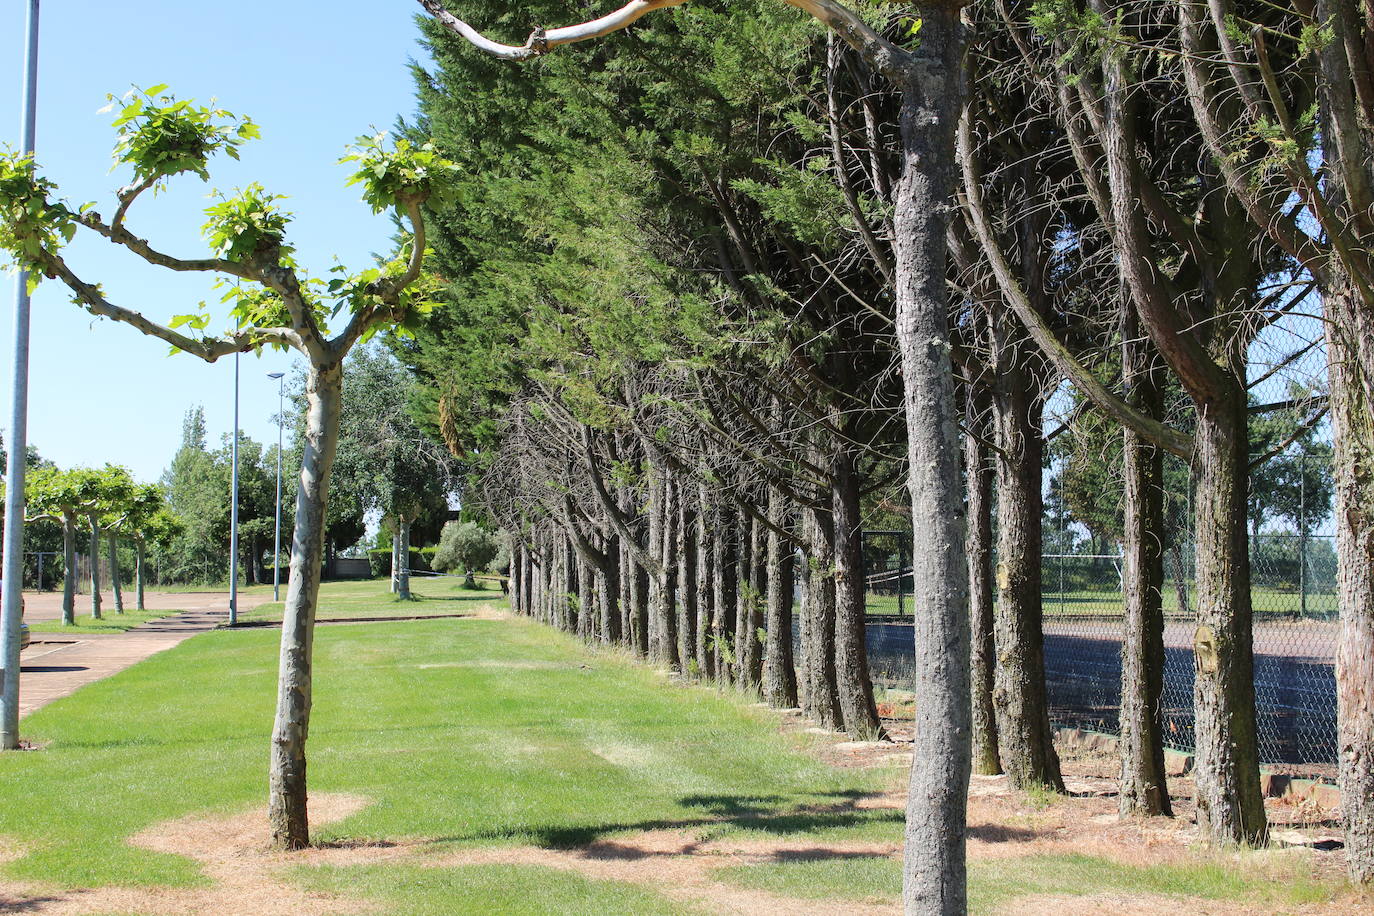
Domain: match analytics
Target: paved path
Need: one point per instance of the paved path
(56, 664)
(48, 605)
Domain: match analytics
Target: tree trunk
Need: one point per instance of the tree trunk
(395, 562)
(609, 628)
(1352, 411)
(1229, 805)
(639, 600)
(779, 672)
(935, 878)
(286, 783)
(588, 611)
(69, 575)
(113, 543)
(980, 470)
(705, 576)
(1023, 722)
(517, 582)
(140, 561)
(725, 597)
(1143, 788)
(686, 549)
(821, 699)
(752, 577)
(403, 554)
(853, 681)
(95, 569)
(662, 638)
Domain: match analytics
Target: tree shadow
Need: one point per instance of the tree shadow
(770, 814)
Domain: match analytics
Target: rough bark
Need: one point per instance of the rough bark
(751, 578)
(685, 546)
(724, 597)
(935, 878)
(1352, 411)
(980, 472)
(662, 638)
(287, 803)
(1023, 721)
(1229, 805)
(609, 629)
(588, 611)
(853, 681)
(779, 671)
(821, 699)
(705, 576)
(1143, 788)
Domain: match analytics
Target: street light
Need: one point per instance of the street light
(13, 567)
(234, 508)
(276, 535)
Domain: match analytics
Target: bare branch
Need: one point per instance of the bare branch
(877, 51)
(116, 233)
(542, 41)
(208, 349)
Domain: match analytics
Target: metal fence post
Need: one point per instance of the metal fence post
(901, 573)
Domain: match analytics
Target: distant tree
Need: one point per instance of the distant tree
(148, 521)
(196, 487)
(400, 472)
(466, 546)
(63, 497)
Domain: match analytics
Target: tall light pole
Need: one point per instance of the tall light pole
(234, 507)
(276, 534)
(13, 567)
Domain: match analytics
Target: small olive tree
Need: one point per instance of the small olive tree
(466, 546)
(271, 302)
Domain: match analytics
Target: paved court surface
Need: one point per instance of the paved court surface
(56, 664)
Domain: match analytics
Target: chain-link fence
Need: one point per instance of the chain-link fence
(1293, 592)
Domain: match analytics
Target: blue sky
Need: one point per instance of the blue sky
(313, 77)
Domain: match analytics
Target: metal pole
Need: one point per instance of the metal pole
(234, 508)
(1302, 534)
(276, 535)
(13, 568)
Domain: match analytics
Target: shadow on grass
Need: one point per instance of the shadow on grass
(760, 813)
(1001, 833)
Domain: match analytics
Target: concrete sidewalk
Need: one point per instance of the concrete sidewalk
(57, 664)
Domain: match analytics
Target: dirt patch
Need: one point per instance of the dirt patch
(677, 864)
(233, 853)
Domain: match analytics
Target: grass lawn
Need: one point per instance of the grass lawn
(995, 884)
(111, 621)
(473, 739)
(430, 597)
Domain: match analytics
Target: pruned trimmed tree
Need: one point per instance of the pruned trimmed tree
(271, 301)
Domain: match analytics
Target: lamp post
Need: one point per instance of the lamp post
(276, 534)
(234, 508)
(13, 566)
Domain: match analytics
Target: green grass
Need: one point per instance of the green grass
(469, 732)
(430, 597)
(111, 621)
(996, 883)
(486, 889)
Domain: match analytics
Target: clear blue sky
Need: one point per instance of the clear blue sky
(313, 76)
